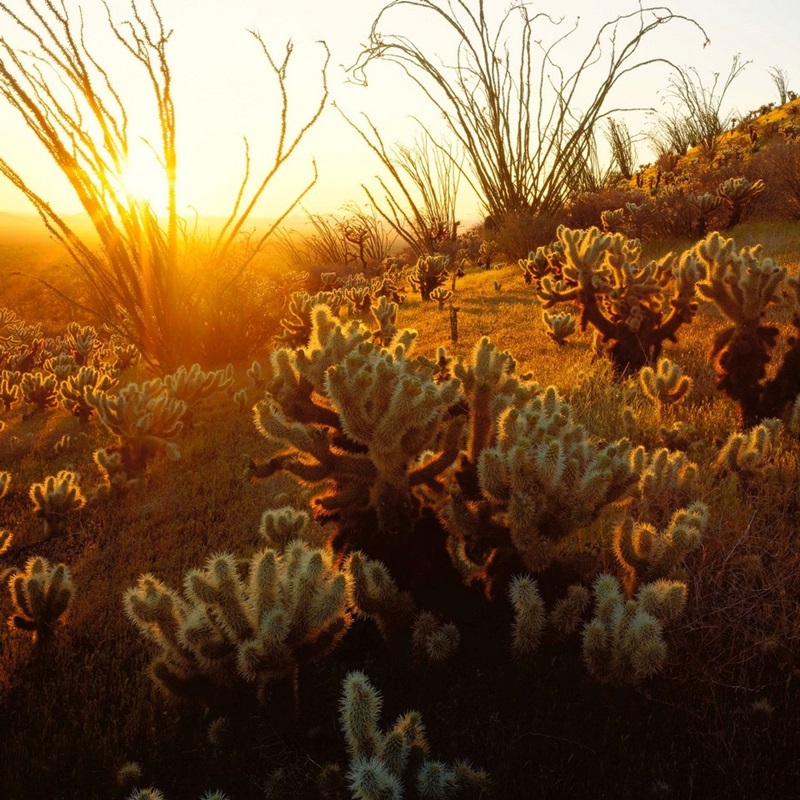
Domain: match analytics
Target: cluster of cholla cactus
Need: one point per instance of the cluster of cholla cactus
(542, 479)
(368, 420)
(145, 420)
(705, 206)
(634, 306)
(261, 619)
(383, 765)
(56, 500)
(624, 641)
(41, 593)
(546, 261)
(529, 614)
(39, 392)
(261, 623)
(433, 639)
(559, 327)
(429, 273)
(743, 286)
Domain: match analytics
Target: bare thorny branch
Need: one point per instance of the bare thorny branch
(69, 101)
(508, 103)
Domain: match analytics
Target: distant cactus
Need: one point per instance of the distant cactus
(192, 386)
(441, 295)
(39, 392)
(559, 326)
(429, 273)
(9, 392)
(72, 391)
(736, 193)
(55, 500)
(255, 374)
(41, 594)
(5, 482)
(705, 205)
(241, 401)
(624, 642)
(385, 313)
(382, 764)
(82, 342)
(62, 366)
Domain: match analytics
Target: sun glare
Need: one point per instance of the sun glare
(145, 180)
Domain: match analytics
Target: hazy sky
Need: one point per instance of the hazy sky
(223, 91)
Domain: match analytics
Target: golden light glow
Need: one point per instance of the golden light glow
(145, 180)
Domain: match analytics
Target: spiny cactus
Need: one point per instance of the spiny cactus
(429, 273)
(56, 499)
(255, 375)
(144, 419)
(666, 384)
(667, 480)
(72, 391)
(382, 765)
(385, 313)
(567, 612)
(82, 342)
(9, 391)
(5, 482)
(634, 306)
(705, 205)
(559, 326)
(192, 386)
(432, 639)
(441, 295)
(529, 614)
(624, 642)
(39, 392)
(736, 193)
(389, 408)
(743, 285)
(41, 593)
(748, 454)
(287, 609)
(646, 553)
(62, 366)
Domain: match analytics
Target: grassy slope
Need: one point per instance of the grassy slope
(541, 727)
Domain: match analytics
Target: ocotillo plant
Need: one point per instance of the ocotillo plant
(634, 306)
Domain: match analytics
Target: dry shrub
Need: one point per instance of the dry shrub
(779, 167)
(522, 232)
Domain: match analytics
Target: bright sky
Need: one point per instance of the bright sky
(223, 91)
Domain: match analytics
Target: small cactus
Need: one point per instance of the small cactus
(55, 499)
(529, 615)
(666, 384)
(559, 326)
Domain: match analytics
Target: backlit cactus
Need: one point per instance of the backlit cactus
(192, 386)
(145, 420)
(55, 501)
(529, 614)
(749, 454)
(441, 295)
(429, 273)
(41, 594)
(382, 765)
(559, 326)
(39, 392)
(665, 384)
(72, 391)
(259, 624)
(624, 641)
(736, 193)
(634, 306)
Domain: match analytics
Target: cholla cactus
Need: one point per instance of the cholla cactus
(559, 326)
(548, 478)
(624, 642)
(748, 454)
(5, 482)
(387, 405)
(432, 639)
(38, 392)
(41, 594)
(646, 553)
(241, 401)
(441, 295)
(666, 384)
(9, 391)
(567, 613)
(385, 314)
(72, 391)
(360, 297)
(529, 614)
(667, 480)
(82, 342)
(192, 386)
(736, 193)
(743, 285)
(256, 376)
(373, 593)
(612, 220)
(429, 273)
(56, 499)
(634, 306)
(144, 419)
(382, 764)
(62, 366)
(289, 608)
(706, 206)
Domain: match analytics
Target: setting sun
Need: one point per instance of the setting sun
(145, 180)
